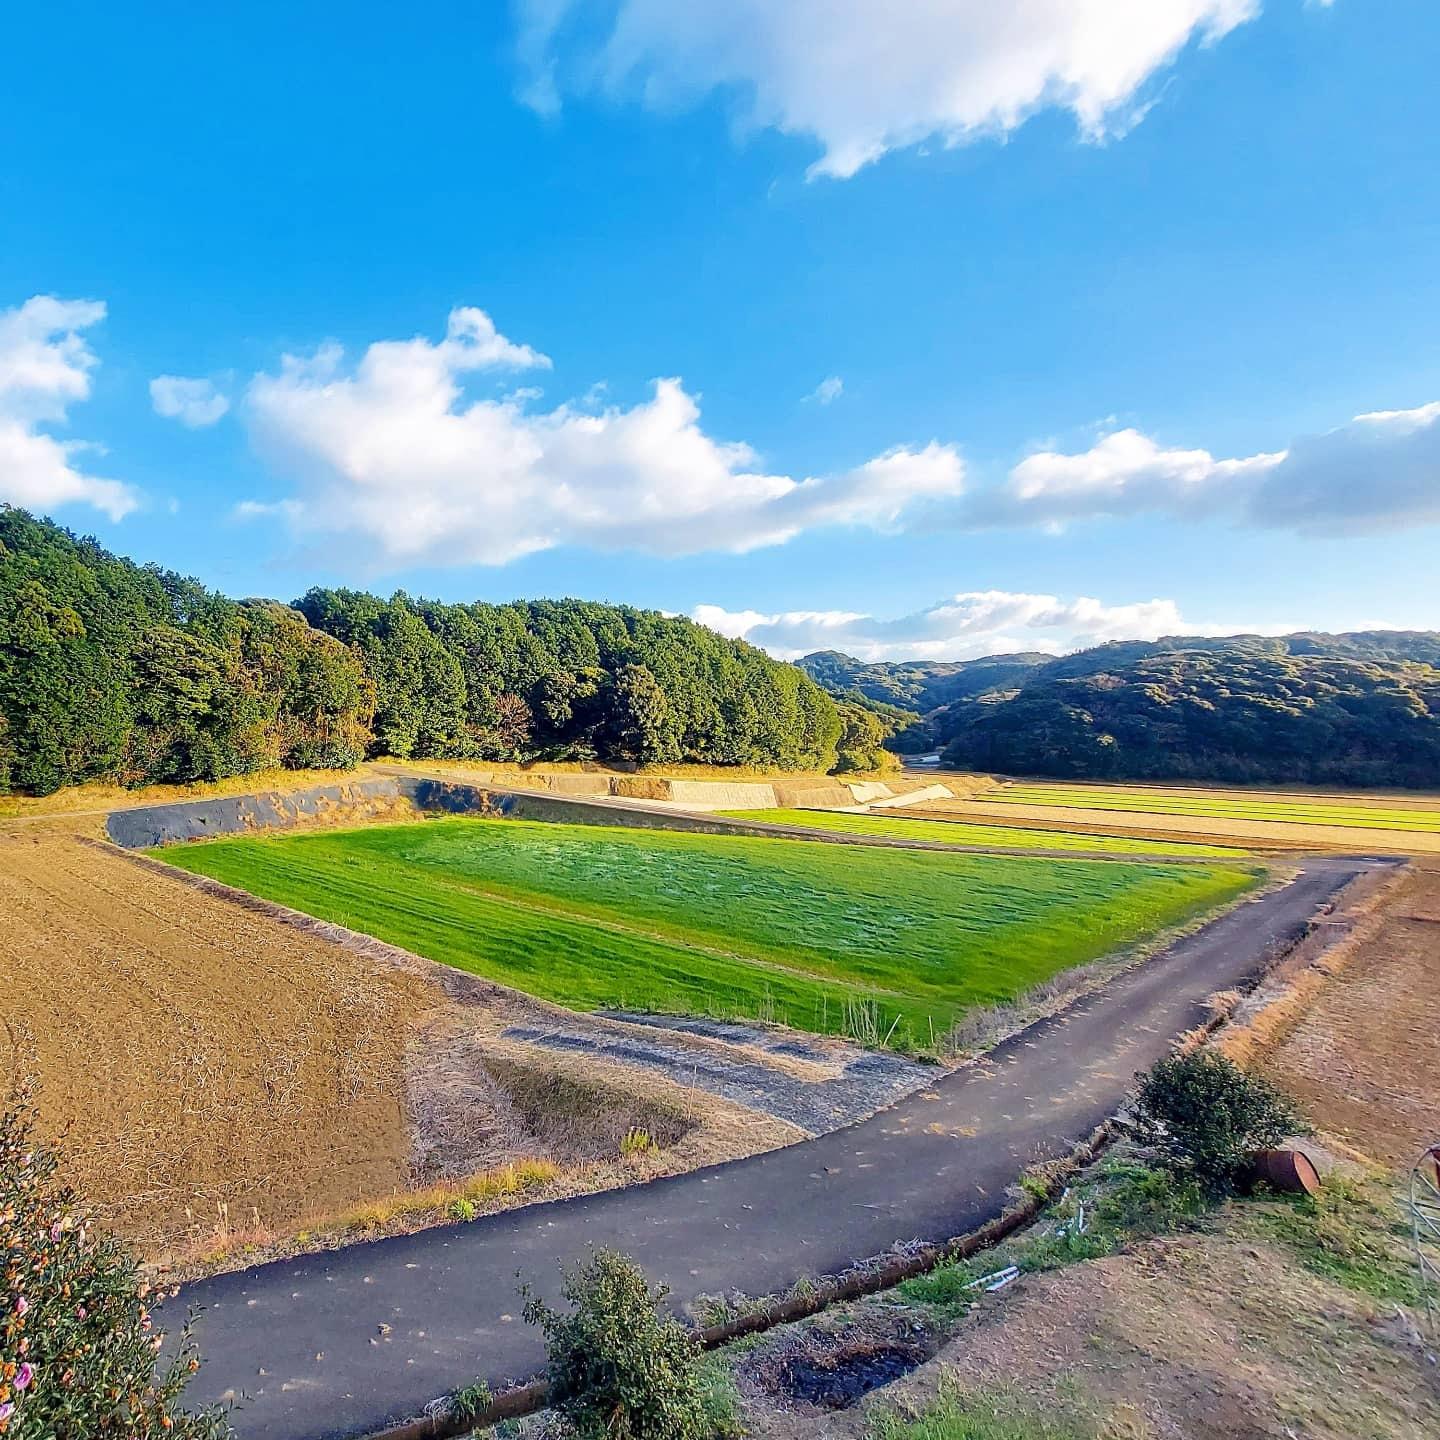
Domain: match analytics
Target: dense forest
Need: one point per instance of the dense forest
(117, 671)
(1354, 709)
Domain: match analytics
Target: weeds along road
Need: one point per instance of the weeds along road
(342, 1343)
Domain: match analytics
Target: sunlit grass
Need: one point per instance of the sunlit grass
(962, 832)
(804, 932)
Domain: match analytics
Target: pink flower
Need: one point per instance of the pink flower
(24, 1375)
(6, 1411)
(21, 1305)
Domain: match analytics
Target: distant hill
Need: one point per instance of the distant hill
(1360, 708)
(921, 685)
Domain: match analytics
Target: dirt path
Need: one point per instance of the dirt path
(337, 1345)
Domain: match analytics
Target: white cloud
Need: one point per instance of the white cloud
(194, 403)
(393, 452)
(874, 75)
(829, 389)
(1124, 473)
(45, 367)
(1378, 472)
(973, 623)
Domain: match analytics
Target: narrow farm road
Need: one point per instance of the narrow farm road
(339, 1344)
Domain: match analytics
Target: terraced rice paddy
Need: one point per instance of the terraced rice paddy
(882, 943)
(1219, 805)
(959, 832)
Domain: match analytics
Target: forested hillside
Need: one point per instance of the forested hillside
(1218, 715)
(1352, 709)
(112, 670)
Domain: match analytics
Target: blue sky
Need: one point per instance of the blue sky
(1098, 302)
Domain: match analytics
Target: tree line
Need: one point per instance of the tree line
(111, 670)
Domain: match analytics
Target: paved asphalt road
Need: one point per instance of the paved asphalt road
(338, 1344)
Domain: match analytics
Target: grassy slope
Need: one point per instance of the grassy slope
(959, 832)
(1218, 806)
(594, 917)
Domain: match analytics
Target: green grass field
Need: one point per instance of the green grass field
(963, 832)
(1218, 805)
(721, 925)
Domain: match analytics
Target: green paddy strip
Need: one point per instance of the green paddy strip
(1219, 807)
(734, 926)
(963, 832)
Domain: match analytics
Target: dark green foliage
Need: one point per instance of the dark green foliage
(1248, 714)
(111, 670)
(864, 730)
(618, 1367)
(1206, 1117)
(77, 1340)
(571, 679)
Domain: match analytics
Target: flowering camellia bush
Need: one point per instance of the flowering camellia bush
(79, 1351)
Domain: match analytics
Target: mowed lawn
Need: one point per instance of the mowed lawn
(1222, 805)
(732, 926)
(964, 832)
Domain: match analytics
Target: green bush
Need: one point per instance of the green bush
(78, 1343)
(1148, 1202)
(619, 1368)
(1206, 1117)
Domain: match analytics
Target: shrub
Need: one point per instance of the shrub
(618, 1368)
(78, 1344)
(1206, 1116)
(1149, 1202)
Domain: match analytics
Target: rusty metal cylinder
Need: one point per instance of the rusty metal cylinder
(1289, 1171)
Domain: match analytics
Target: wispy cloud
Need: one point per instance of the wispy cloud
(873, 75)
(195, 403)
(977, 622)
(1379, 471)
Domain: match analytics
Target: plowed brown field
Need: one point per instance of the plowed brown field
(1364, 1060)
(194, 1056)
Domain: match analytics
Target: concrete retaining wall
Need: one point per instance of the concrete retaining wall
(357, 800)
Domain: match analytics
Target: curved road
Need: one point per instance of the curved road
(342, 1343)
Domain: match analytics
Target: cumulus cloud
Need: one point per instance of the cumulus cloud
(194, 403)
(973, 623)
(829, 389)
(874, 75)
(1378, 472)
(395, 453)
(45, 367)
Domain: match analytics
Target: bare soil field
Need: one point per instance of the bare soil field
(1364, 1059)
(190, 1057)
(1210, 830)
(227, 1086)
